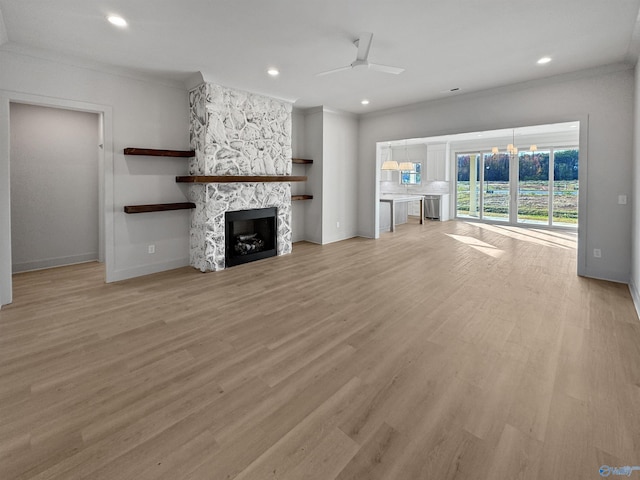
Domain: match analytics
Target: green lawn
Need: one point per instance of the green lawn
(533, 201)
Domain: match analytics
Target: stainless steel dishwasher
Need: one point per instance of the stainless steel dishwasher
(432, 207)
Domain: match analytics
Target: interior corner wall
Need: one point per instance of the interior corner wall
(340, 176)
(313, 142)
(634, 282)
(603, 96)
(145, 113)
(298, 208)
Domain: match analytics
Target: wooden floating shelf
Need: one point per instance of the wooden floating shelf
(301, 161)
(159, 207)
(239, 178)
(301, 197)
(150, 152)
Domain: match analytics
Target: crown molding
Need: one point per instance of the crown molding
(77, 62)
(4, 35)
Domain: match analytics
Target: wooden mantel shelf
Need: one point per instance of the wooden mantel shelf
(151, 152)
(158, 207)
(240, 178)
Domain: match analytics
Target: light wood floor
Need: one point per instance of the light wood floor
(447, 350)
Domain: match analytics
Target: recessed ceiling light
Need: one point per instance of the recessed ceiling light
(274, 72)
(365, 102)
(544, 60)
(117, 21)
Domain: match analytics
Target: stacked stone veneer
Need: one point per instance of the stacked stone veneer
(236, 133)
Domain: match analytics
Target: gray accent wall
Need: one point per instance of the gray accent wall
(54, 186)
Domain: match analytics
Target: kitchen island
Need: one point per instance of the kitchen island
(393, 198)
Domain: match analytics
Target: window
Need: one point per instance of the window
(411, 177)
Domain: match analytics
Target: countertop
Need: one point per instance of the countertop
(400, 197)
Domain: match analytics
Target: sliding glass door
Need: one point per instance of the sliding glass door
(533, 187)
(496, 191)
(538, 187)
(468, 185)
(565, 187)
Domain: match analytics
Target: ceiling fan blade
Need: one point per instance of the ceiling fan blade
(335, 70)
(364, 45)
(385, 68)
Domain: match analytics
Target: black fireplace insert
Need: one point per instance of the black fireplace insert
(250, 235)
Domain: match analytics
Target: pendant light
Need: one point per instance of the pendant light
(389, 164)
(407, 165)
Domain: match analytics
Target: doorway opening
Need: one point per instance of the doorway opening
(54, 155)
(104, 191)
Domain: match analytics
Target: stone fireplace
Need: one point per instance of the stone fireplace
(236, 133)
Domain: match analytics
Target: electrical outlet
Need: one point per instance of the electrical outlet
(337, 224)
(152, 249)
(597, 253)
(622, 199)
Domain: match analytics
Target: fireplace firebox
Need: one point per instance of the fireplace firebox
(250, 235)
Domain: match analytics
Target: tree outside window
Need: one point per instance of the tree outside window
(411, 177)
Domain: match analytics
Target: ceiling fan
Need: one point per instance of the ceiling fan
(363, 43)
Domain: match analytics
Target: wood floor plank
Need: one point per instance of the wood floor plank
(449, 350)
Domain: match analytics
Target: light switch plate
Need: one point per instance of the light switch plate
(622, 199)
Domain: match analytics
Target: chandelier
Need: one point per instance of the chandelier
(512, 150)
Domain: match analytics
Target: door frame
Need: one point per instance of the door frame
(106, 239)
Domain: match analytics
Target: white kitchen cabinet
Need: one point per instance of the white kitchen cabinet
(436, 168)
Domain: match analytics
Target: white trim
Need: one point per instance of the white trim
(6, 295)
(54, 262)
(635, 295)
(106, 200)
(583, 181)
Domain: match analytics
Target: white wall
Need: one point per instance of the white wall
(54, 186)
(602, 99)
(145, 113)
(340, 176)
(634, 284)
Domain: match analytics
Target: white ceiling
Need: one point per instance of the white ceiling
(443, 44)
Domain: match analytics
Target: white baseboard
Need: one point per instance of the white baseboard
(132, 272)
(54, 262)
